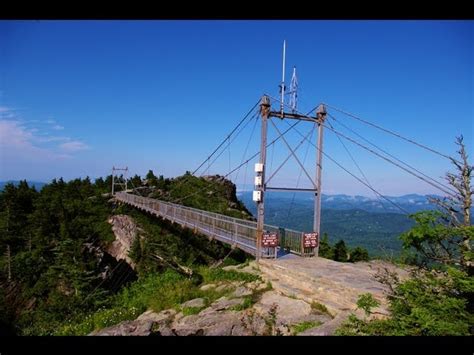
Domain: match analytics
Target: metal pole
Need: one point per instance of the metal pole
(126, 176)
(283, 79)
(264, 111)
(321, 115)
(113, 172)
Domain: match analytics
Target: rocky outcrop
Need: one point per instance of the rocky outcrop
(125, 231)
(144, 325)
(334, 284)
(301, 289)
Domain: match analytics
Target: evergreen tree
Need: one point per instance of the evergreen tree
(359, 254)
(151, 179)
(340, 251)
(325, 249)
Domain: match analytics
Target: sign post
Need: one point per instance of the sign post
(310, 241)
(270, 240)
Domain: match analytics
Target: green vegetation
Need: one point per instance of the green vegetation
(438, 298)
(320, 308)
(366, 302)
(429, 304)
(340, 252)
(156, 291)
(256, 295)
(212, 193)
(189, 311)
(248, 302)
(301, 327)
(211, 275)
(61, 280)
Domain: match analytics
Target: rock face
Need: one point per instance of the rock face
(125, 231)
(297, 283)
(210, 322)
(197, 302)
(289, 310)
(142, 326)
(334, 284)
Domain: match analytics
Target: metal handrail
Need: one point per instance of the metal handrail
(209, 222)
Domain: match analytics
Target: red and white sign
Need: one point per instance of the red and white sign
(310, 240)
(269, 240)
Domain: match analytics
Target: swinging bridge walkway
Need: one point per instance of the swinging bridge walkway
(236, 232)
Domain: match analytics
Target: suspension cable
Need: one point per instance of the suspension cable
(227, 137)
(388, 160)
(299, 177)
(229, 142)
(391, 155)
(357, 165)
(245, 162)
(354, 176)
(247, 147)
(389, 131)
(437, 186)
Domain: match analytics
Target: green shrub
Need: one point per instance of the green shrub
(366, 302)
(340, 251)
(188, 311)
(320, 308)
(301, 327)
(429, 303)
(218, 274)
(359, 254)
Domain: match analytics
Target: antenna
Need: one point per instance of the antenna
(282, 87)
(294, 91)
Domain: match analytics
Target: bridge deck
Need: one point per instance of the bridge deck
(236, 232)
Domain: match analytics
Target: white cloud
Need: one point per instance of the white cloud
(5, 109)
(73, 146)
(50, 121)
(19, 139)
(13, 134)
(57, 127)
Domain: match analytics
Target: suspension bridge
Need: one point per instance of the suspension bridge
(256, 237)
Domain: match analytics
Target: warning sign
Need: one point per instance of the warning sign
(310, 240)
(269, 240)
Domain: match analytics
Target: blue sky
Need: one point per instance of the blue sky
(77, 97)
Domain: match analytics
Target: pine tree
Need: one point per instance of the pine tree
(340, 251)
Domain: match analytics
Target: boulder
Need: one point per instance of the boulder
(288, 310)
(207, 287)
(241, 291)
(197, 302)
(127, 328)
(147, 323)
(224, 303)
(211, 322)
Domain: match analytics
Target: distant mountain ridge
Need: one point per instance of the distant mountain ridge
(359, 220)
(411, 202)
(38, 185)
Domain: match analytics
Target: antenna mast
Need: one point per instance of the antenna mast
(309, 241)
(282, 87)
(294, 91)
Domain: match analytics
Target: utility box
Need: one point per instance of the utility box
(257, 196)
(259, 168)
(258, 181)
